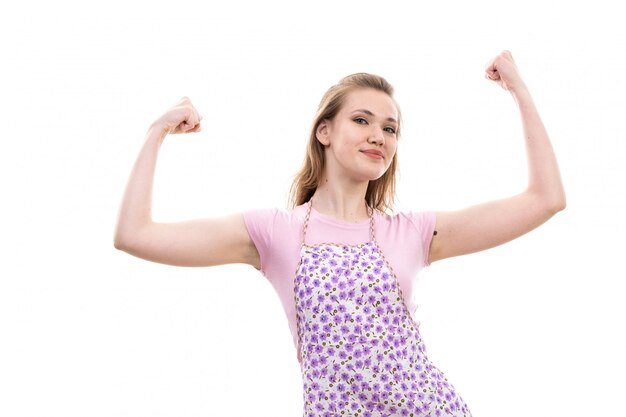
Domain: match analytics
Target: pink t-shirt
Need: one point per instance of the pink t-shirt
(404, 239)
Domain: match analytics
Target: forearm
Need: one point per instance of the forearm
(544, 178)
(136, 208)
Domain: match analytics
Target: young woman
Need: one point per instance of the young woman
(342, 267)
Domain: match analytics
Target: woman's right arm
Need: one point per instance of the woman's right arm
(203, 242)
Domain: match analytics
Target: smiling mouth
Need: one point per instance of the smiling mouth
(373, 154)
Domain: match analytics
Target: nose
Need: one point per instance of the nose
(377, 136)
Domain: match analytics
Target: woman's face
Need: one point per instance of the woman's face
(360, 142)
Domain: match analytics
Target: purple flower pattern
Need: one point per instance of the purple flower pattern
(362, 354)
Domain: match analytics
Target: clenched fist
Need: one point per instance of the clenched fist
(502, 70)
(182, 118)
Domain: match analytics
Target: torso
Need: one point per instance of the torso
(360, 349)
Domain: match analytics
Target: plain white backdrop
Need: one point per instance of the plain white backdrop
(534, 327)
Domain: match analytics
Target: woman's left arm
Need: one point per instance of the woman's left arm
(494, 223)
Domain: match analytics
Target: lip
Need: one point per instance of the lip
(373, 153)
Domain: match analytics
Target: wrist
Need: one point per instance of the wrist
(157, 132)
(521, 94)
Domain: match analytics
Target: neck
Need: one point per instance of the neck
(344, 200)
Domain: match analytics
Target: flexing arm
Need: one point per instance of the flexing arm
(203, 242)
(496, 222)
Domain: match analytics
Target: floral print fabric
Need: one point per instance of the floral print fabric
(362, 354)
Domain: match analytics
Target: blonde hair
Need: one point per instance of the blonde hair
(381, 192)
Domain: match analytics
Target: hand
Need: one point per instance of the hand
(182, 118)
(502, 70)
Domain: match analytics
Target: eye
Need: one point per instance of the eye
(360, 120)
(390, 130)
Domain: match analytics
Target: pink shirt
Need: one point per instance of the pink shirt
(404, 239)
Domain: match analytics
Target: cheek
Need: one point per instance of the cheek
(345, 146)
(393, 148)
(341, 151)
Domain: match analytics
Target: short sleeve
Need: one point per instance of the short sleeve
(260, 225)
(424, 222)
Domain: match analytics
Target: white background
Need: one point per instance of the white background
(534, 327)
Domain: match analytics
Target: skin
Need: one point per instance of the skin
(493, 223)
(341, 194)
(366, 122)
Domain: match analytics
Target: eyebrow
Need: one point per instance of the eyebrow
(369, 113)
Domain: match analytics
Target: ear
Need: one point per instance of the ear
(321, 133)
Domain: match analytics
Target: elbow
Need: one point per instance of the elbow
(549, 203)
(128, 236)
(560, 203)
(124, 241)
(556, 204)
(120, 243)
(561, 206)
(134, 241)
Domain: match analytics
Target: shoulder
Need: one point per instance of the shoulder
(270, 219)
(419, 220)
(408, 232)
(276, 214)
(274, 232)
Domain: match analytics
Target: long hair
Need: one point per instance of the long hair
(381, 192)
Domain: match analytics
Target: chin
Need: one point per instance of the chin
(368, 173)
(378, 173)
(372, 176)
